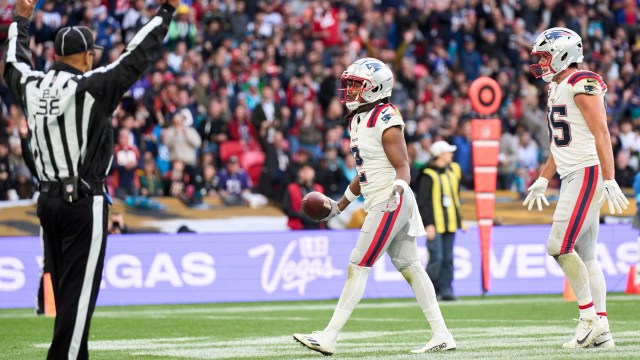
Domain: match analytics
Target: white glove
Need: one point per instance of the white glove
(536, 194)
(614, 195)
(334, 211)
(394, 200)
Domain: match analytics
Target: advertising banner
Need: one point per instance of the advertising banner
(305, 265)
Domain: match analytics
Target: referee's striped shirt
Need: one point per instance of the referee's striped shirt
(68, 112)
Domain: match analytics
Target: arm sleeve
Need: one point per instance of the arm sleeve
(18, 66)
(425, 203)
(388, 117)
(110, 82)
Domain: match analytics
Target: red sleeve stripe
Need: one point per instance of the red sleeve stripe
(374, 116)
(586, 75)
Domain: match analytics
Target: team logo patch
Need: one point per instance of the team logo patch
(373, 66)
(589, 88)
(555, 34)
(386, 118)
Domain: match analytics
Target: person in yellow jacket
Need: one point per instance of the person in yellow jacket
(439, 204)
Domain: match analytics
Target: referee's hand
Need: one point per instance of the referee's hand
(174, 3)
(25, 8)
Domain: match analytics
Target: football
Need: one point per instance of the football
(316, 206)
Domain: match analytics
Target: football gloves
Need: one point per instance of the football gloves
(334, 211)
(394, 200)
(536, 194)
(612, 193)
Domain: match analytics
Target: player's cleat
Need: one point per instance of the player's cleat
(603, 341)
(316, 341)
(586, 332)
(437, 344)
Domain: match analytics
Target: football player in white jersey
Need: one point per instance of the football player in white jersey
(393, 220)
(582, 155)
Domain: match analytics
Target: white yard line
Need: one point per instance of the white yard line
(528, 342)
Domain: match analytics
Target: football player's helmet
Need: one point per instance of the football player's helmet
(558, 48)
(365, 81)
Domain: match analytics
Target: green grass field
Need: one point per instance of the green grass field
(514, 327)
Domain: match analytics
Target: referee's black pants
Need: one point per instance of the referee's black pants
(74, 238)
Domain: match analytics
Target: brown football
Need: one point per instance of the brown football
(316, 206)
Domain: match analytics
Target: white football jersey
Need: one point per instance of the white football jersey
(374, 168)
(572, 144)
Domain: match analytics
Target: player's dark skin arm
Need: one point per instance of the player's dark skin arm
(396, 149)
(355, 189)
(592, 108)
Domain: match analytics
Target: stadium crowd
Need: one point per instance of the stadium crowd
(247, 93)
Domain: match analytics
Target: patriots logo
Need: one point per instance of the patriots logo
(386, 118)
(373, 66)
(589, 88)
(553, 35)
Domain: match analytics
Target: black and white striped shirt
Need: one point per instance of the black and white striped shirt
(68, 112)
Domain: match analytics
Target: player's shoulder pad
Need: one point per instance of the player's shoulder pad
(587, 82)
(383, 115)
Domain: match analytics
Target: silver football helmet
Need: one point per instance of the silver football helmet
(365, 81)
(558, 48)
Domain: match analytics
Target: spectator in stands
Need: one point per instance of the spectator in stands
(535, 119)
(186, 107)
(329, 175)
(470, 59)
(182, 28)
(23, 184)
(215, 127)
(310, 134)
(276, 172)
(125, 163)
(208, 182)
(624, 174)
(178, 182)
(462, 156)
(241, 129)
(234, 183)
(182, 141)
(507, 160)
(528, 152)
(267, 116)
(150, 180)
(292, 202)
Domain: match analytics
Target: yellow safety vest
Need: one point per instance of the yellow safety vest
(447, 219)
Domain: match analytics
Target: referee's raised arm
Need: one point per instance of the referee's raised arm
(18, 67)
(110, 82)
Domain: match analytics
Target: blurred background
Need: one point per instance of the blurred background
(252, 87)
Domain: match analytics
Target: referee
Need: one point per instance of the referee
(68, 111)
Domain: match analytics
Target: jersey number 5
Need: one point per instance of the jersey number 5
(361, 174)
(555, 122)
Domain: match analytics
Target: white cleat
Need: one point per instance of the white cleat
(437, 344)
(586, 332)
(603, 341)
(317, 342)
